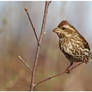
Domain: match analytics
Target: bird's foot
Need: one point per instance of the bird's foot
(86, 60)
(67, 71)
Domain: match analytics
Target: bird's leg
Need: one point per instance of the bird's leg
(86, 60)
(67, 69)
(76, 63)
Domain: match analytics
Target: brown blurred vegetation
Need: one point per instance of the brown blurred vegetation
(18, 39)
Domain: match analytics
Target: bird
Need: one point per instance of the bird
(73, 45)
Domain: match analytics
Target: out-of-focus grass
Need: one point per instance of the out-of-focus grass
(15, 76)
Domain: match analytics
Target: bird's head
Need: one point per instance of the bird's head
(64, 29)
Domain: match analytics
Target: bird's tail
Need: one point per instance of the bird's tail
(90, 55)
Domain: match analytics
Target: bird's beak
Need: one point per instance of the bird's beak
(54, 30)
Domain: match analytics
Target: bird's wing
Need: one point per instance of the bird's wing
(85, 43)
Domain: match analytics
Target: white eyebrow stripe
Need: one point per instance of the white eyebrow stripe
(67, 26)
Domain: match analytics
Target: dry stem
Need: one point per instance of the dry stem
(56, 75)
(26, 65)
(32, 84)
(26, 9)
(38, 47)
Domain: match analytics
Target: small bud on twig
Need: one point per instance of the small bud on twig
(26, 9)
(44, 33)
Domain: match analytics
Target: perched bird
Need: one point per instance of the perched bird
(72, 43)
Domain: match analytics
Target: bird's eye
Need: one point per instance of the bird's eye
(63, 28)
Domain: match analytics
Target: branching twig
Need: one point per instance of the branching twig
(38, 47)
(33, 85)
(26, 65)
(56, 75)
(26, 9)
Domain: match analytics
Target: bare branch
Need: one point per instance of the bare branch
(38, 47)
(56, 75)
(26, 10)
(25, 64)
(33, 85)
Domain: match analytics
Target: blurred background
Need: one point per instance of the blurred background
(17, 39)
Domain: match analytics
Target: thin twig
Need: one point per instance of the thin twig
(56, 75)
(23, 62)
(26, 9)
(38, 47)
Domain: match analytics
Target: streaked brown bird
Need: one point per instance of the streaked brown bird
(72, 44)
